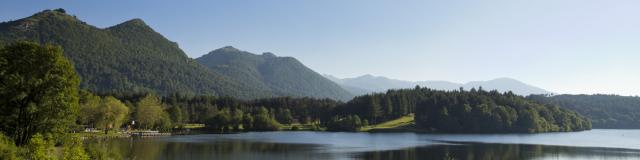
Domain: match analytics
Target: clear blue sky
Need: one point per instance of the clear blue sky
(566, 46)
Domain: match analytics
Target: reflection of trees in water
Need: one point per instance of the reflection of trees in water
(133, 148)
(234, 149)
(497, 151)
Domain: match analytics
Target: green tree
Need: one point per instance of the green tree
(89, 105)
(264, 122)
(220, 121)
(285, 116)
(247, 122)
(111, 114)
(375, 109)
(38, 91)
(388, 106)
(177, 115)
(150, 113)
(236, 119)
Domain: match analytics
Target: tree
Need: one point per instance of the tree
(177, 115)
(150, 113)
(220, 121)
(350, 123)
(285, 116)
(38, 91)
(61, 10)
(264, 122)
(247, 122)
(236, 119)
(89, 105)
(375, 109)
(388, 106)
(111, 114)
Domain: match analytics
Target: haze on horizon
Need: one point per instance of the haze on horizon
(572, 46)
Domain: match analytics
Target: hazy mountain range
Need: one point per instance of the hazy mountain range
(369, 83)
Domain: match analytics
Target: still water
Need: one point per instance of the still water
(594, 144)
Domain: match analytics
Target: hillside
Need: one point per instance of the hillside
(282, 76)
(605, 111)
(128, 57)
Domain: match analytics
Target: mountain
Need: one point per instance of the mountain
(128, 57)
(507, 84)
(369, 83)
(376, 83)
(282, 76)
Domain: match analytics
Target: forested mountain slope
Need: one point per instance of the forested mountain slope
(282, 76)
(129, 57)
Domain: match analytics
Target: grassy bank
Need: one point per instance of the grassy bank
(402, 124)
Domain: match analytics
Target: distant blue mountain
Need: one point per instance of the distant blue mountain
(369, 83)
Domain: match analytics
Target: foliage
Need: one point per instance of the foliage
(256, 119)
(8, 149)
(286, 110)
(491, 112)
(88, 112)
(38, 91)
(151, 115)
(264, 122)
(112, 113)
(106, 113)
(605, 111)
(73, 149)
(349, 123)
(41, 147)
(464, 111)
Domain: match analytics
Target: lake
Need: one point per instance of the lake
(593, 144)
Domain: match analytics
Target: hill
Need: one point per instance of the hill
(282, 76)
(457, 111)
(125, 58)
(605, 111)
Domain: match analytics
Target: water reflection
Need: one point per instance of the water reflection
(151, 148)
(482, 151)
(324, 145)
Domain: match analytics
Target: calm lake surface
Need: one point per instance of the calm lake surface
(594, 144)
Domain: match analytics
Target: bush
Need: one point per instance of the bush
(349, 123)
(41, 147)
(73, 149)
(8, 149)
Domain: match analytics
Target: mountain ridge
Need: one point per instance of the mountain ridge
(368, 83)
(127, 57)
(284, 76)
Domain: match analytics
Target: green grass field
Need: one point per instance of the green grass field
(402, 122)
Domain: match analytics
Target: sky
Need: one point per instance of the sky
(565, 46)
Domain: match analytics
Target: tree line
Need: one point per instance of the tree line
(475, 110)
(605, 111)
